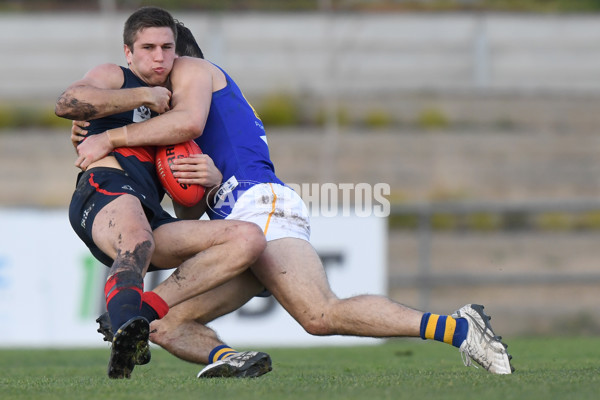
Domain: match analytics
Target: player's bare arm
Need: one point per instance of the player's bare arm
(192, 84)
(98, 94)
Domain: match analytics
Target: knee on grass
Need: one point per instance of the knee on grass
(317, 324)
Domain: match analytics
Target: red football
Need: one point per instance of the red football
(185, 194)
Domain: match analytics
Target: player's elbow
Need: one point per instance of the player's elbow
(192, 126)
(317, 326)
(60, 108)
(67, 106)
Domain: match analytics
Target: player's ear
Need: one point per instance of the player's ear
(128, 54)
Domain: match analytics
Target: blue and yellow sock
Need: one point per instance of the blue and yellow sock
(444, 328)
(220, 353)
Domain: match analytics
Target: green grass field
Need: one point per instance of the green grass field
(557, 368)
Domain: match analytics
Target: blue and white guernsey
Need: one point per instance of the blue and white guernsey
(234, 137)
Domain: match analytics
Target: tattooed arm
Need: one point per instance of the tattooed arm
(99, 94)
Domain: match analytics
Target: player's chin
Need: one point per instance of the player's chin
(158, 80)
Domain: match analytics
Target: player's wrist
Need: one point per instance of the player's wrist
(144, 95)
(117, 137)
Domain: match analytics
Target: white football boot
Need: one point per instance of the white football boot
(247, 364)
(482, 345)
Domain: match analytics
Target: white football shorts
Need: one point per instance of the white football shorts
(277, 209)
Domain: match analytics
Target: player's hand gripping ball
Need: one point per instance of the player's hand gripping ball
(185, 194)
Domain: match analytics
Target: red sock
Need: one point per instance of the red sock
(153, 306)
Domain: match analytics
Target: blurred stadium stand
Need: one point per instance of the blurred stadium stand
(518, 95)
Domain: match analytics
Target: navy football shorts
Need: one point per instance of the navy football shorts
(98, 187)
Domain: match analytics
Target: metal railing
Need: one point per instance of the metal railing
(426, 279)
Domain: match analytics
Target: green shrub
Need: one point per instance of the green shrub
(484, 222)
(444, 222)
(554, 221)
(505, 124)
(403, 221)
(433, 118)
(342, 116)
(30, 116)
(8, 118)
(378, 119)
(47, 118)
(589, 221)
(279, 110)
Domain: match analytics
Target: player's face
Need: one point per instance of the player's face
(152, 56)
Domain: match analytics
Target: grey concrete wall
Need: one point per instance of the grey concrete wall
(494, 166)
(349, 54)
(540, 70)
(418, 166)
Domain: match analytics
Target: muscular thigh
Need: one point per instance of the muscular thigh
(180, 240)
(120, 225)
(292, 271)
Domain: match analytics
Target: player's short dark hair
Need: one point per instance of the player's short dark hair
(147, 17)
(186, 44)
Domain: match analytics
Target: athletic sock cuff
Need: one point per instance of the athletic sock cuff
(219, 353)
(424, 321)
(156, 302)
(123, 280)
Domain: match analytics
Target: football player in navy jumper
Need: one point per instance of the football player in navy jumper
(115, 208)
